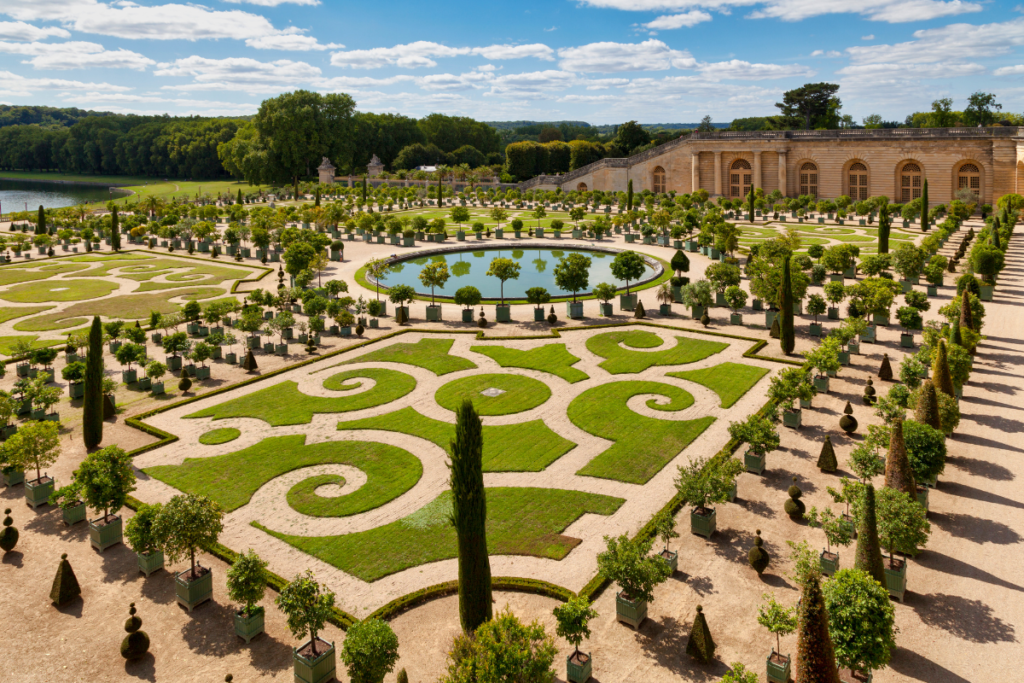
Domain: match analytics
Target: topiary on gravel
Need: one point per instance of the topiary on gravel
(827, 459)
(795, 507)
(848, 422)
(65, 586)
(9, 535)
(927, 409)
(940, 370)
(186, 383)
(758, 557)
(701, 646)
(869, 393)
(885, 371)
(816, 658)
(898, 473)
(639, 311)
(136, 643)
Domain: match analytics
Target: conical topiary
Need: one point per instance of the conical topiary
(927, 410)
(776, 331)
(966, 314)
(954, 334)
(869, 551)
(701, 646)
(705, 319)
(869, 393)
(186, 382)
(795, 507)
(9, 535)
(109, 408)
(827, 459)
(848, 422)
(402, 677)
(940, 371)
(885, 371)
(65, 584)
(898, 473)
(758, 557)
(816, 657)
(249, 363)
(639, 312)
(136, 643)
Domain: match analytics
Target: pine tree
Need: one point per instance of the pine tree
(884, 226)
(92, 401)
(701, 645)
(924, 206)
(816, 657)
(940, 370)
(827, 459)
(787, 336)
(898, 474)
(41, 221)
(115, 231)
(469, 517)
(65, 586)
(885, 371)
(966, 314)
(927, 411)
(869, 550)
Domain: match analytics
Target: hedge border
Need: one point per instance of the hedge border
(440, 590)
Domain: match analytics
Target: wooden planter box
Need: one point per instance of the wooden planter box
(793, 419)
(821, 384)
(129, 376)
(815, 329)
(703, 525)
(574, 309)
(606, 311)
(896, 578)
(467, 315)
(503, 314)
(769, 318)
(76, 389)
(37, 491)
(158, 388)
(203, 372)
(319, 670)
(433, 313)
(190, 594)
(829, 562)
(150, 563)
(848, 676)
(73, 515)
(145, 383)
(627, 302)
(671, 558)
(630, 612)
(105, 535)
(13, 476)
(906, 340)
(250, 626)
(778, 671)
(578, 671)
(753, 462)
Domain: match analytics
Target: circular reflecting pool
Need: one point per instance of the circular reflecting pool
(536, 269)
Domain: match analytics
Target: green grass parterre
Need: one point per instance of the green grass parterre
(521, 393)
(554, 359)
(621, 360)
(729, 380)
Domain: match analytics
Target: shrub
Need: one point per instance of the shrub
(758, 557)
(701, 646)
(861, 620)
(502, 649)
(247, 582)
(628, 563)
(307, 606)
(794, 507)
(370, 651)
(140, 530)
(926, 450)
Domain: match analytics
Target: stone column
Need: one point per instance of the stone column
(718, 174)
(757, 181)
(694, 171)
(782, 174)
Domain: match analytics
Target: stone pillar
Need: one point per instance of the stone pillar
(718, 174)
(695, 172)
(757, 181)
(782, 174)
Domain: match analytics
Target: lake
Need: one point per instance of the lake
(16, 195)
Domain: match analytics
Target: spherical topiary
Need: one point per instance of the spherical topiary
(795, 507)
(482, 320)
(705, 320)
(827, 459)
(359, 330)
(9, 536)
(552, 318)
(848, 422)
(885, 371)
(758, 557)
(136, 643)
(186, 383)
(869, 393)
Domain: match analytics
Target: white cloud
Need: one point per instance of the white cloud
(674, 21)
(274, 3)
(737, 69)
(955, 41)
(19, 30)
(239, 71)
(536, 50)
(830, 53)
(605, 83)
(338, 83)
(22, 86)
(868, 37)
(650, 55)
(76, 55)
(422, 53)
(291, 42)
(867, 72)
(796, 10)
(472, 80)
(1009, 70)
(532, 84)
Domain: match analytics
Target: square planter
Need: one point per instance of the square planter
(792, 418)
(696, 312)
(627, 302)
(319, 670)
(880, 319)
(853, 348)
(986, 292)
(76, 389)
(73, 515)
(836, 277)
(37, 491)
(190, 594)
(933, 290)
(102, 536)
(157, 389)
(281, 349)
(671, 558)
(433, 314)
(703, 524)
(249, 626)
(268, 348)
(821, 384)
(833, 313)
(753, 462)
(896, 578)
(150, 563)
(829, 562)
(805, 404)
(720, 299)
(869, 334)
(778, 668)
(503, 314)
(906, 340)
(174, 363)
(769, 318)
(578, 670)
(374, 323)
(13, 476)
(574, 309)
(606, 310)
(844, 358)
(848, 676)
(922, 496)
(757, 305)
(203, 372)
(129, 376)
(665, 309)
(630, 612)
(815, 329)
(157, 337)
(736, 319)
(467, 315)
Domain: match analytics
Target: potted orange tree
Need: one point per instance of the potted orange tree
(36, 446)
(308, 607)
(761, 437)
(140, 531)
(786, 387)
(247, 584)
(106, 477)
(629, 564)
(781, 621)
(837, 533)
(186, 524)
(702, 483)
(573, 619)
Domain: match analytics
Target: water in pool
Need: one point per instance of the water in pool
(536, 269)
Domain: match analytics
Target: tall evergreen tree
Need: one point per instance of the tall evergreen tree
(92, 404)
(898, 473)
(115, 230)
(954, 334)
(884, 226)
(816, 657)
(239, 199)
(966, 315)
(787, 337)
(869, 550)
(316, 201)
(750, 205)
(927, 410)
(940, 370)
(469, 517)
(924, 206)
(629, 196)
(995, 233)
(41, 221)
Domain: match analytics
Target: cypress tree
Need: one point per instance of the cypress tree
(629, 196)
(787, 336)
(869, 550)
(927, 411)
(92, 402)
(750, 205)
(940, 370)
(955, 336)
(316, 201)
(995, 233)
(701, 645)
(924, 206)
(827, 459)
(65, 586)
(816, 657)
(469, 517)
(885, 370)
(898, 474)
(115, 230)
(966, 315)
(41, 221)
(884, 225)
(238, 199)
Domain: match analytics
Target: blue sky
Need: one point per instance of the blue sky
(602, 61)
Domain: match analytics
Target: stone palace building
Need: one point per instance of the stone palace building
(823, 163)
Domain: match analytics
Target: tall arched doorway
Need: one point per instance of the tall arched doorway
(809, 179)
(910, 182)
(739, 178)
(658, 181)
(858, 181)
(968, 177)
(582, 187)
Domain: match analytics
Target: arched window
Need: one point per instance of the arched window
(658, 186)
(910, 182)
(809, 179)
(582, 187)
(969, 177)
(858, 181)
(739, 178)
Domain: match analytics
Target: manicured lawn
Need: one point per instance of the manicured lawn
(303, 497)
(11, 275)
(179, 273)
(128, 307)
(642, 445)
(58, 290)
(521, 393)
(520, 521)
(429, 354)
(219, 436)
(525, 447)
(232, 479)
(284, 404)
(550, 358)
(620, 360)
(7, 343)
(12, 313)
(729, 380)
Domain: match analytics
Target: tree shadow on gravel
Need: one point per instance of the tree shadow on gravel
(976, 529)
(949, 565)
(920, 668)
(980, 468)
(782, 479)
(956, 488)
(144, 667)
(982, 442)
(970, 620)
(666, 641)
(757, 507)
